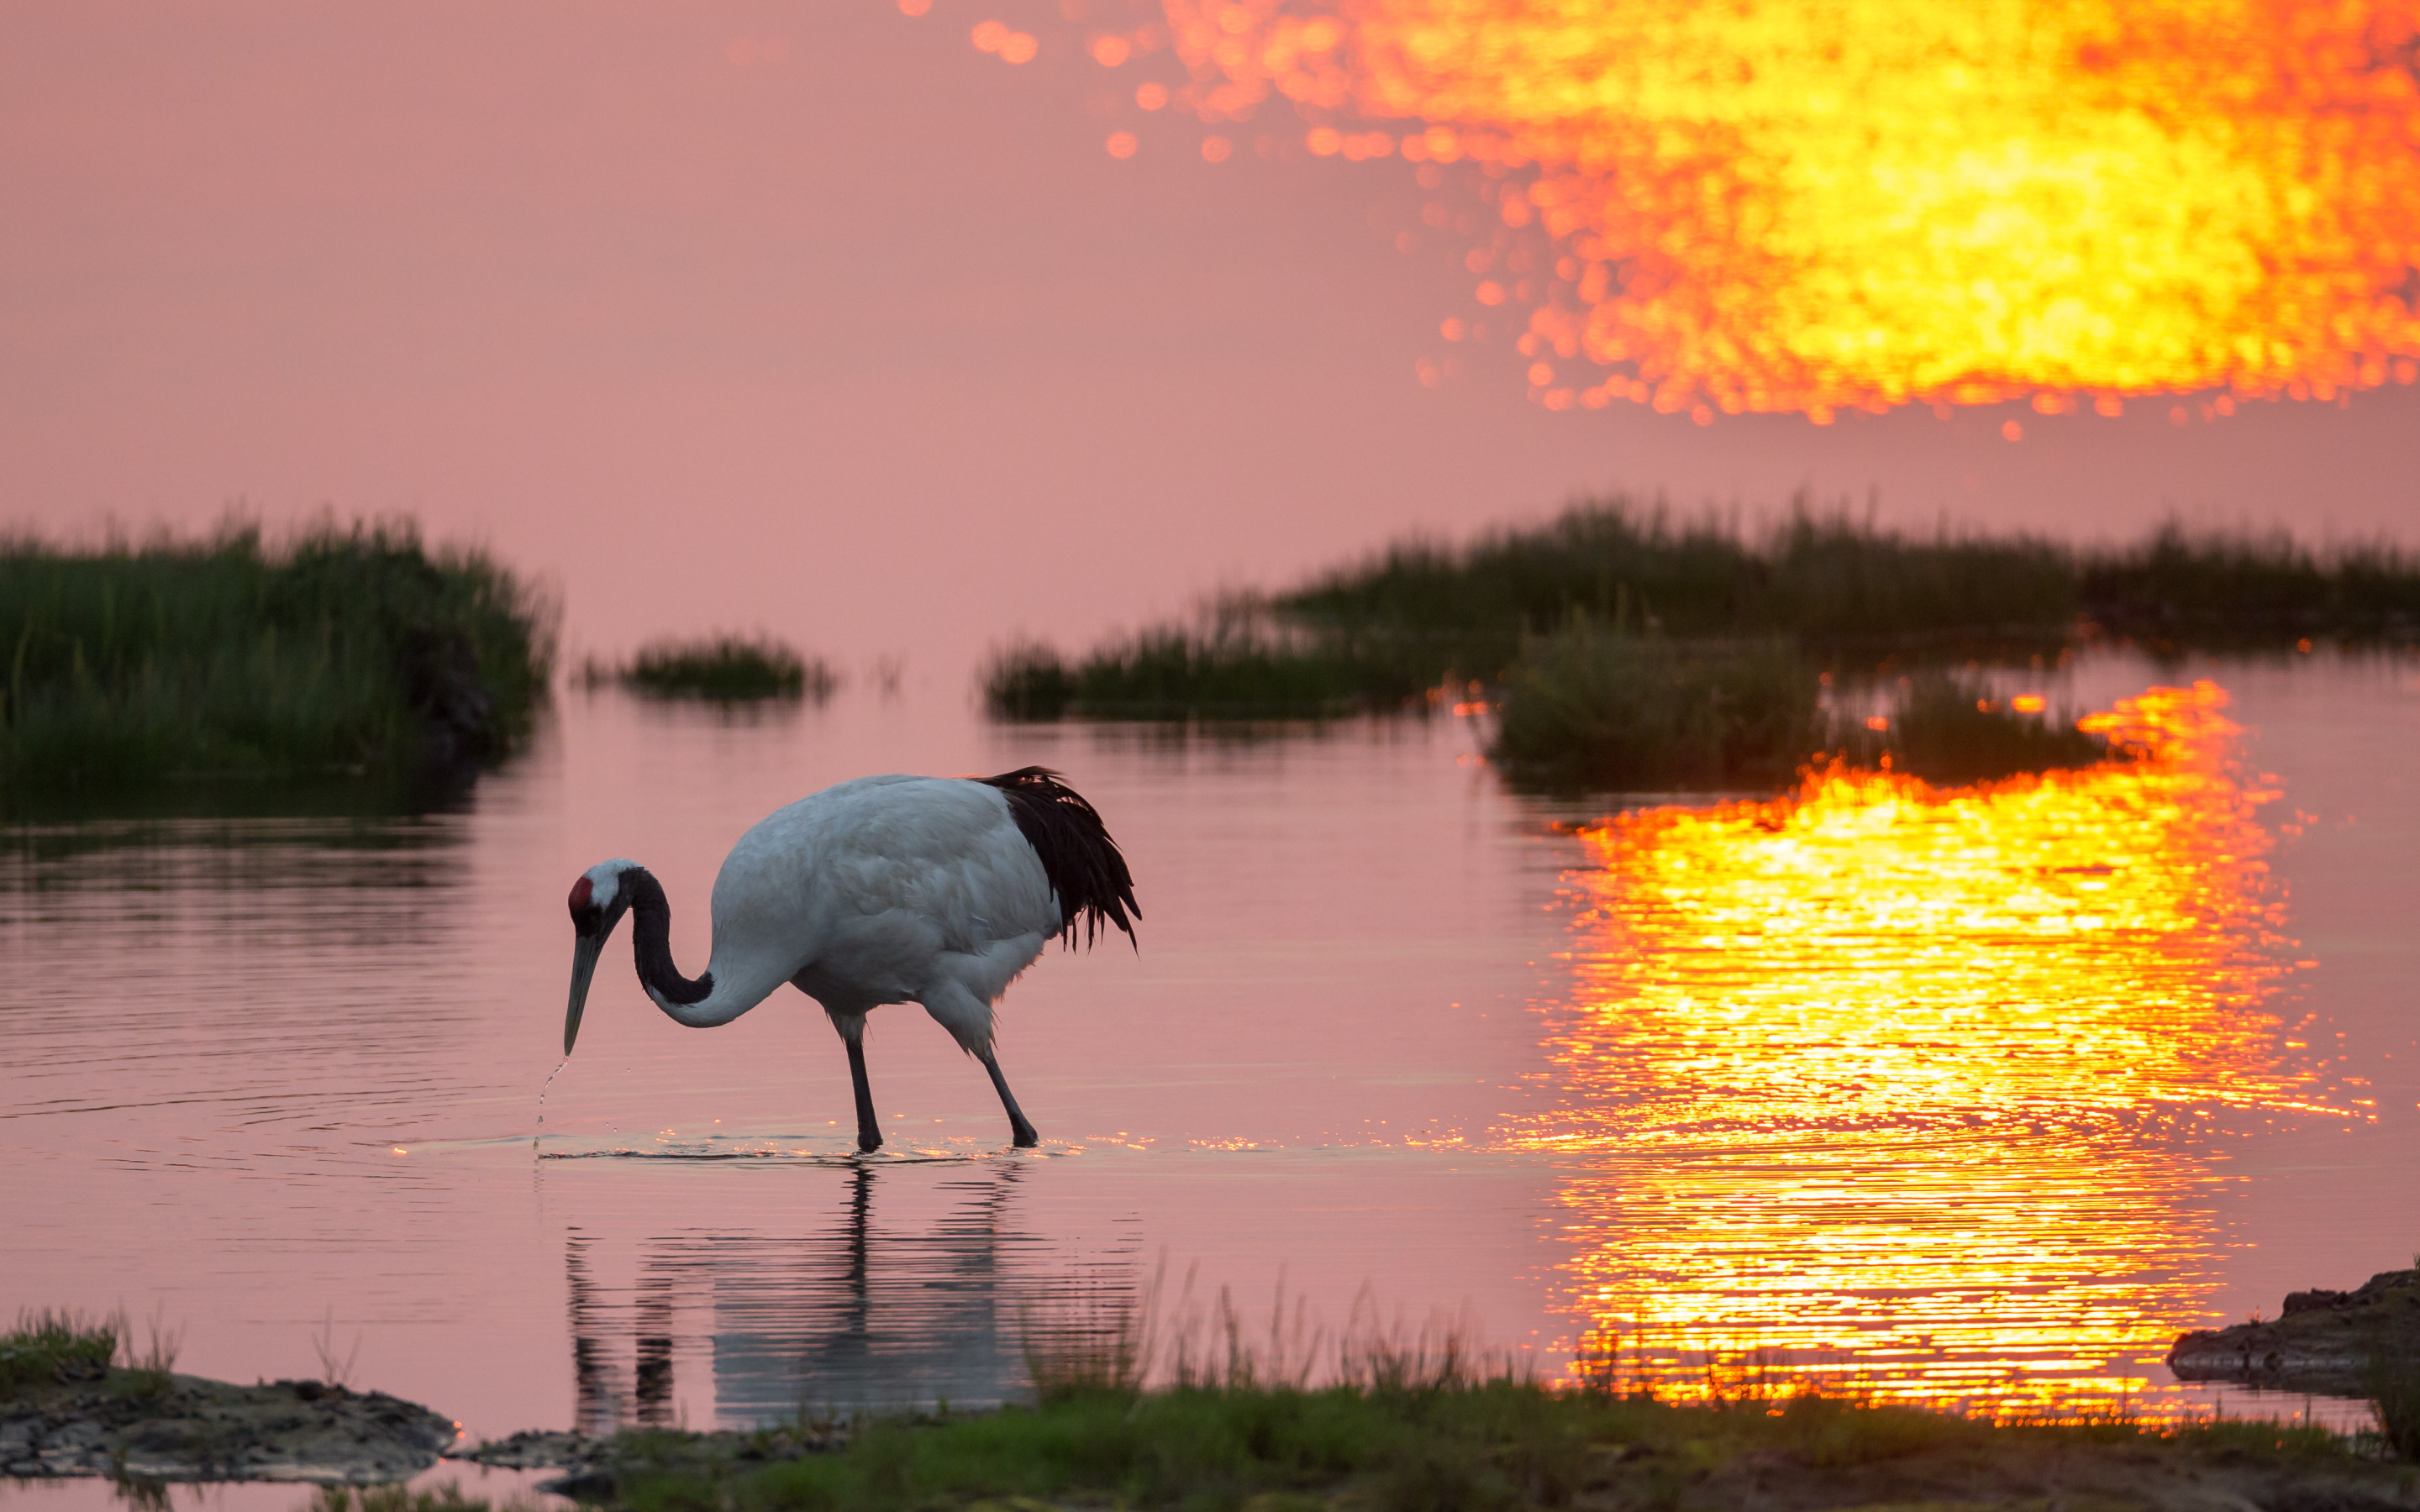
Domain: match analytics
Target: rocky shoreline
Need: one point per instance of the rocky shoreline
(2331, 1343)
(141, 1426)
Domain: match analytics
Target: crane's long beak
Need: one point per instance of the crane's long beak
(586, 948)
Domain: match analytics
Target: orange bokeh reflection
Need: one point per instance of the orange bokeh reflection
(1923, 1088)
(1776, 207)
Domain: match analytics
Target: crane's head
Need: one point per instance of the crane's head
(599, 900)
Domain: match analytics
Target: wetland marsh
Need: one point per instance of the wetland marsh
(1979, 1097)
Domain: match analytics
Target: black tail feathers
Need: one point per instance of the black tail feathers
(1085, 867)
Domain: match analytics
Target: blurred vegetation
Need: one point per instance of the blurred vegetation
(349, 650)
(1485, 1442)
(1027, 680)
(1635, 649)
(1847, 593)
(51, 1347)
(1818, 579)
(2395, 1403)
(1602, 709)
(1946, 728)
(2246, 588)
(1134, 1408)
(726, 667)
(1237, 663)
(1592, 709)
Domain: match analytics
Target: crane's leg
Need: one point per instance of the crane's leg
(1020, 1133)
(869, 1128)
(968, 1017)
(850, 1026)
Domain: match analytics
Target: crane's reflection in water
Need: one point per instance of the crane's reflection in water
(1927, 1087)
(879, 1303)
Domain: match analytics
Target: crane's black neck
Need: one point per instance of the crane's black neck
(651, 929)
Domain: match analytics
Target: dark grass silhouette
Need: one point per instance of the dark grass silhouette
(1841, 590)
(349, 651)
(728, 667)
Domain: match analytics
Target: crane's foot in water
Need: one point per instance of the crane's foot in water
(869, 1139)
(1020, 1133)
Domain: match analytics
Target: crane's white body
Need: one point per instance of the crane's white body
(886, 889)
(883, 889)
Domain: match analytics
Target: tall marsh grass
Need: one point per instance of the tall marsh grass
(60, 1347)
(1817, 577)
(1207, 1408)
(1234, 661)
(727, 668)
(347, 650)
(1605, 710)
(2395, 1403)
(50, 1347)
(1374, 635)
(2238, 587)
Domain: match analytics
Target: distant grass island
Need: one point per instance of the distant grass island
(728, 667)
(348, 651)
(1625, 647)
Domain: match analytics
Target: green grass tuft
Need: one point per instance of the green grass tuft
(348, 651)
(2395, 1402)
(1027, 680)
(1489, 1442)
(723, 668)
(52, 1346)
(1598, 709)
(1234, 662)
(149, 1371)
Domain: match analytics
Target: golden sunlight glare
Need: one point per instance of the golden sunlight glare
(1766, 205)
(1928, 1080)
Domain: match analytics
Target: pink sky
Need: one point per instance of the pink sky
(872, 344)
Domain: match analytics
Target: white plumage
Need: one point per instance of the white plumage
(939, 891)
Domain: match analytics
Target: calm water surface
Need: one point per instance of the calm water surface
(1983, 1095)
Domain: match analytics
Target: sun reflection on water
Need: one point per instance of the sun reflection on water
(1765, 206)
(1926, 1087)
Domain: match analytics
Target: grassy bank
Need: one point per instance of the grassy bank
(1815, 579)
(1844, 593)
(1592, 709)
(346, 651)
(1417, 1429)
(1132, 1409)
(1237, 663)
(723, 668)
(1468, 1444)
(49, 1347)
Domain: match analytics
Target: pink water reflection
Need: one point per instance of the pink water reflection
(302, 1075)
(267, 1070)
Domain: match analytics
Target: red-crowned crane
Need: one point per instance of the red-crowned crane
(884, 889)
